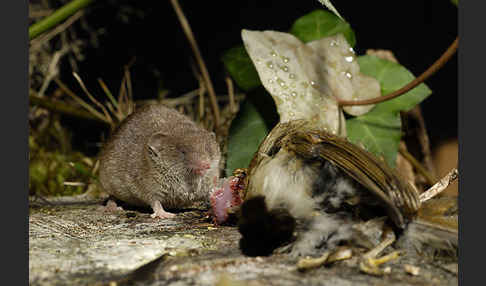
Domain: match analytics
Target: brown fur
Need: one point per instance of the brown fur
(150, 157)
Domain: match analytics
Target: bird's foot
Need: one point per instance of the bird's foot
(370, 264)
(341, 253)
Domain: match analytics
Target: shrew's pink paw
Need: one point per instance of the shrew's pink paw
(159, 211)
(111, 207)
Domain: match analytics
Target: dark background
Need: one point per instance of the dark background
(417, 32)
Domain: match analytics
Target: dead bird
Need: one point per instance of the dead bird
(160, 158)
(319, 186)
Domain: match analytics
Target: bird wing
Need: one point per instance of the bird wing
(397, 195)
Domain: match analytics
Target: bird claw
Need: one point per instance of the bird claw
(371, 265)
(341, 253)
(311, 262)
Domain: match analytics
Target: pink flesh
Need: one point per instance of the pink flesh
(221, 201)
(225, 197)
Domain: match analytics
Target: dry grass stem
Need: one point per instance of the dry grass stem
(36, 43)
(40, 13)
(108, 93)
(190, 36)
(96, 102)
(202, 90)
(81, 102)
(231, 94)
(129, 88)
(183, 99)
(417, 165)
(53, 69)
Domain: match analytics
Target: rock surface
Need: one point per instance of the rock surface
(82, 245)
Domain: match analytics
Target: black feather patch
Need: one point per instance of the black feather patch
(262, 230)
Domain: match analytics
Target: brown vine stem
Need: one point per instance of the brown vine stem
(195, 49)
(430, 71)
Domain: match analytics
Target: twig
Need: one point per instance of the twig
(430, 71)
(108, 92)
(53, 69)
(187, 98)
(40, 13)
(81, 102)
(96, 102)
(202, 90)
(439, 186)
(418, 166)
(231, 94)
(55, 18)
(200, 61)
(61, 107)
(37, 43)
(183, 99)
(423, 138)
(128, 82)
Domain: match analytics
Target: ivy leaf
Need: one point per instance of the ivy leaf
(380, 129)
(246, 133)
(239, 65)
(393, 76)
(319, 24)
(313, 26)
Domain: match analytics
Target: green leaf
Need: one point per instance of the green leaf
(319, 24)
(246, 133)
(313, 26)
(378, 131)
(239, 65)
(455, 2)
(393, 76)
